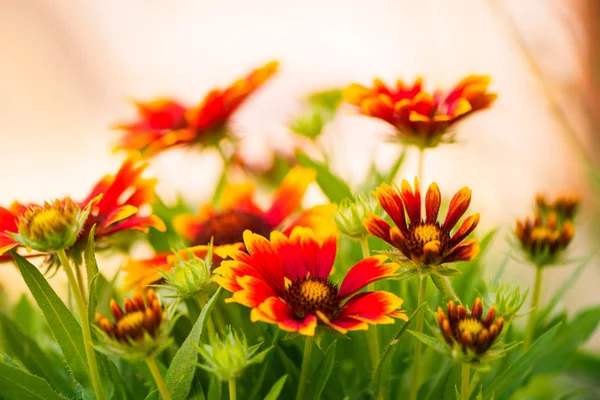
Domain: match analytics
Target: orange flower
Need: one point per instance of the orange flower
(115, 206)
(543, 239)
(285, 282)
(239, 212)
(145, 272)
(424, 241)
(165, 123)
(421, 118)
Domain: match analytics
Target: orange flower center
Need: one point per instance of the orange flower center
(228, 227)
(131, 325)
(308, 295)
(471, 327)
(422, 233)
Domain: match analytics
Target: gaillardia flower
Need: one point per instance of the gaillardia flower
(192, 266)
(470, 332)
(425, 241)
(285, 282)
(166, 123)
(421, 118)
(543, 239)
(239, 212)
(48, 228)
(139, 332)
(564, 206)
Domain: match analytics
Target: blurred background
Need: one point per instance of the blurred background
(69, 69)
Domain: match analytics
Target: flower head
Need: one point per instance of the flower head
(350, 214)
(228, 356)
(565, 206)
(421, 118)
(543, 239)
(470, 332)
(166, 123)
(239, 212)
(187, 271)
(48, 228)
(423, 240)
(139, 332)
(285, 282)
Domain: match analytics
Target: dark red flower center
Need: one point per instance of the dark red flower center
(422, 233)
(228, 227)
(308, 295)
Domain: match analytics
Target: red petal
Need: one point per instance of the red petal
(366, 271)
(465, 229)
(266, 260)
(458, 206)
(465, 251)
(288, 197)
(392, 204)
(412, 201)
(253, 292)
(372, 307)
(433, 199)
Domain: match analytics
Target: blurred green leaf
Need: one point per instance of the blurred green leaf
(169, 239)
(214, 389)
(276, 389)
(332, 186)
(18, 384)
(322, 108)
(62, 323)
(322, 374)
(183, 366)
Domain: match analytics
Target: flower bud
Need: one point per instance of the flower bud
(350, 214)
(189, 273)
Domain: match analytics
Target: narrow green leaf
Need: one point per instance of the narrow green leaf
(26, 316)
(559, 294)
(183, 366)
(18, 384)
(169, 239)
(396, 166)
(323, 372)
(276, 389)
(91, 266)
(444, 286)
(27, 351)
(518, 371)
(215, 389)
(332, 186)
(62, 323)
(430, 341)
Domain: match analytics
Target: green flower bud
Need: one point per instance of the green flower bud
(190, 274)
(228, 357)
(349, 215)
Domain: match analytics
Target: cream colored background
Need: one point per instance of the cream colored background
(67, 67)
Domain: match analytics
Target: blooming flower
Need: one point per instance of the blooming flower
(113, 206)
(48, 228)
(423, 240)
(239, 212)
(140, 273)
(166, 123)
(285, 282)
(139, 332)
(470, 331)
(421, 118)
(544, 239)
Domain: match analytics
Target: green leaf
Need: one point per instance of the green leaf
(257, 359)
(393, 171)
(26, 316)
(323, 106)
(430, 341)
(562, 291)
(62, 323)
(169, 239)
(214, 389)
(27, 351)
(441, 282)
(91, 267)
(183, 366)
(323, 372)
(332, 186)
(276, 389)
(18, 384)
(518, 371)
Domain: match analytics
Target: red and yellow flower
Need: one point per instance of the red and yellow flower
(421, 118)
(543, 239)
(114, 205)
(239, 212)
(166, 123)
(285, 282)
(423, 240)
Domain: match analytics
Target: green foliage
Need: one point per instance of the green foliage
(322, 107)
(169, 239)
(332, 186)
(18, 384)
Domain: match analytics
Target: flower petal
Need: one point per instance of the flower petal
(366, 271)
(288, 197)
(266, 260)
(274, 310)
(458, 206)
(377, 226)
(372, 307)
(465, 229)
(465, 251)
(118, 214)
(253, 292)
(433, 199)
(412, 201)
(239, 197)
(391, 202)
(318, 218)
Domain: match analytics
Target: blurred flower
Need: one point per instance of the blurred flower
(285, 282)
(239, 212)
(421, 118)
(470, 332)
(424, 241)
(350, 214)
(565, 206)
(228, 356)
(165, 123)
(542, 239)
(48, 228)
(138, 333)
(183, 270)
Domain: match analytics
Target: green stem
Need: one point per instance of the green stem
(85, 325)
(305, 369)
(420, 165)
(232, 393)
(414, 384)
(372, 333)
(535, 302)
(160, 382)
(81, 284)
(200, 303)
(464, 380)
